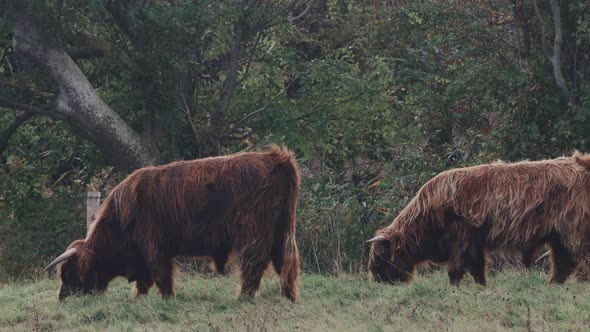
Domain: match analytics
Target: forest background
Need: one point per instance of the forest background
(374, 97)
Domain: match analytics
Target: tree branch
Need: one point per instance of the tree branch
(39, 110)
(275, 16)
(189, 115)
(18, 121)
(263, 108)
(522, 26)
(78, 101)
(303, 13)
(250, 58)
(543, 43)
(130, 18)
(79, 53)
(229, 85)
(556, 58)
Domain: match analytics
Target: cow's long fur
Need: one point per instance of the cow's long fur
(243, 204)
(505, 206)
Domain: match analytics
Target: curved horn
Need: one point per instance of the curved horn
(67, 254)
(542, 256)
(377, 238)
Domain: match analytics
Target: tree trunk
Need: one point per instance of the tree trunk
(557, 42)
(522, 26)
(230, 83)
(81, 105)
(147, 84)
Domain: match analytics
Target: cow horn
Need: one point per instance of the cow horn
(67, 254)
(377, 238)
(542, 256)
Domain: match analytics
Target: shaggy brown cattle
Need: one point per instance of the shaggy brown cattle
(461, 214)
(243, 204)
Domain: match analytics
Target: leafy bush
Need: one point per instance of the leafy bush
(374, 98)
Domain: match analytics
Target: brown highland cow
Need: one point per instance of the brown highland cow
(461, 214)
(243, 204)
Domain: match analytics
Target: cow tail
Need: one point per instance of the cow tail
(290, 270)
(289, 273)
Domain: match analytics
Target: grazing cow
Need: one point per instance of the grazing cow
(461, 214)
(244, 204)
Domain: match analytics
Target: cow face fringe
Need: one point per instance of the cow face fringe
(75, 272)
(388, 261)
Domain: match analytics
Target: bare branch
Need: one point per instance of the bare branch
(522, 28)
(557, 42)
(263, 108)
(229, 85)
(40, 110)
(555, 56)
(18, 121)
(189, 115)
(79, 53)
(250, 58)
(543, 32)
(303, 13)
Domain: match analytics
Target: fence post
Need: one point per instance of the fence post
(92, 204)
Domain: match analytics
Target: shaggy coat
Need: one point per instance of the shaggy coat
(243, 204)
(461, 214)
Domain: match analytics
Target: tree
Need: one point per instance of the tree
(45, 39)
(78, 101)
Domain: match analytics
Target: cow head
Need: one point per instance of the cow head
(388, 261)
(77, 271)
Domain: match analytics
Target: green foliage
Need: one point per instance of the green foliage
(31, 239)
(373, 99)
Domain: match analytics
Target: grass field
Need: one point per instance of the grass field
(514, 299)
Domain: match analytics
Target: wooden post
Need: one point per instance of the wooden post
(92, 204)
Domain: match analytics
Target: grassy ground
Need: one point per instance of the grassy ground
(513, 300)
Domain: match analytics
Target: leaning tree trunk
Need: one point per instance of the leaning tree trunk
(79, 102)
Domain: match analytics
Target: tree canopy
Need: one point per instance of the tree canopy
(373, 96)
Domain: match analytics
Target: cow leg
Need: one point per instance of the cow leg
(477, 265)
(455, 268)
(251, 277)
(455, 264)
(528, 253)
(165, 278)
(562, 261)
(527, 257)
(143, 285)
(252, 265)
(140, 273)
(277, 261)
(455, 275)
(220, 259)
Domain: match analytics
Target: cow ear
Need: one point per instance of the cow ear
(85, 261)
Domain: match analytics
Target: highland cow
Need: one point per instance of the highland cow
(244, 204)
(462, 214)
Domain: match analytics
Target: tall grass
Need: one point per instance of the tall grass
(514, 299)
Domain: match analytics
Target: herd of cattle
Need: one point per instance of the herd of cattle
(245, 205)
